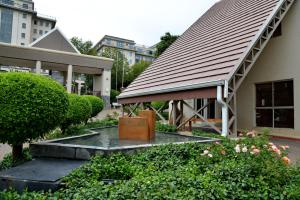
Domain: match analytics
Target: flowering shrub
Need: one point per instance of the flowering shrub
(250, 168)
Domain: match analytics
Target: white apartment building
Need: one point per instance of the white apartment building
(20, 22)
(132, 51)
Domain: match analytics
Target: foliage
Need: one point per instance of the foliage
(31, 105)
(206, 134)
(120, 67)
(188, 171)
(113, 96)
(165, 42)
(79, 111)
(158, 104)
(84, 47)
(165, 127)
(97, 104)
(8, 162)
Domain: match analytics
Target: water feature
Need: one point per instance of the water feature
(109, 137)
(105, 141)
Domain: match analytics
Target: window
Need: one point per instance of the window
(23, 25)
(22, 44)
(25, 5)
(23, 35)
(46, 32)
(35, 22)
(41, 32)
(41, 23)
(35, 30)
(120, 44)
(275, 104)
(33, 39)
(6, 16)
(47, 24)
(24, 16)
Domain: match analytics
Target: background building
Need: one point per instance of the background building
(21, 25)
(132, 51)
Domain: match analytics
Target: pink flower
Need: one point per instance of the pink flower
(223, 152)
(217, 143)
(255, 151)
(286, 160)
(283, 147)
(251, 134)
(276, 150)
(287, 146)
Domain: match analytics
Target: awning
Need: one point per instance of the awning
(14, 55)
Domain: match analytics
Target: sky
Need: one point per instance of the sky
(143, 21)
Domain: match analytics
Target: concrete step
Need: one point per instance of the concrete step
(38, 174)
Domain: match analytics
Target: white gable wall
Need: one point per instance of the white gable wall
(280, 60)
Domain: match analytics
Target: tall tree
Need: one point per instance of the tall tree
(120, 75)
(85, 47)
(137, 69)
(165, 42)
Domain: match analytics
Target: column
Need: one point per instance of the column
(69, 78)
(38, 67)
(102, 84)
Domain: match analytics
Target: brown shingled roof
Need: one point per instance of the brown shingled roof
(208, 52)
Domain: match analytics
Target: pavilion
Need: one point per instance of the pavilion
(227, 65)
(54, 52)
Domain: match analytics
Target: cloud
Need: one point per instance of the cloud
(143, 21)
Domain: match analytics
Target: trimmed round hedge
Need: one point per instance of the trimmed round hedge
(30, 106)
(97, 104)
(79, 111)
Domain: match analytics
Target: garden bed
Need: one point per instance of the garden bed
(250, 168)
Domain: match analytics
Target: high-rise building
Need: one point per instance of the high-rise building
(20, 22)
(132, 51)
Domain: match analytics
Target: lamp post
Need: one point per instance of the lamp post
(117, 71)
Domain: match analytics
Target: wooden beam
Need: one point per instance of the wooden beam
(205, 120)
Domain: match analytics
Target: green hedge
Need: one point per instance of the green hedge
(97, 104)
(30, 106)
(189, 171)
(79, 111)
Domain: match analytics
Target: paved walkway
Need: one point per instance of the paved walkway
(103, 114)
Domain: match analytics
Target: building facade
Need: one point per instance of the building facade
(20, 24)
(133, 52)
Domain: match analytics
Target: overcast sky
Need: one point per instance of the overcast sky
(143, 21)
